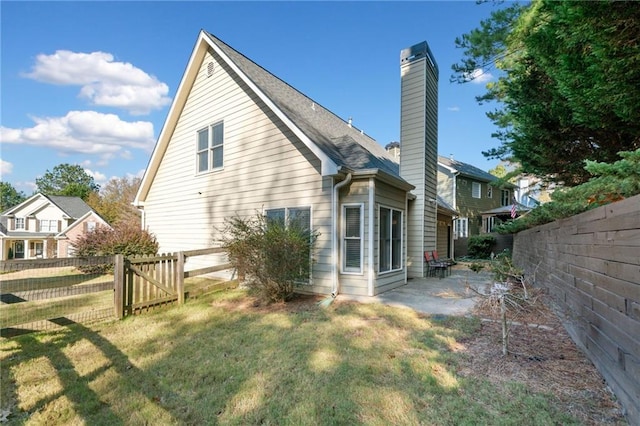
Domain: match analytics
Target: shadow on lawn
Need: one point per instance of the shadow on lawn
(83, 400)
(218, 365)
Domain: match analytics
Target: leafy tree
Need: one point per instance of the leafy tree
(569, 84)
(608, 183)
(9, 196)
(67, 179)
(499, 171)
(114, 202)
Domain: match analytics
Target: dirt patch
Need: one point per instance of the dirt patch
(299, 303)
(543, 357)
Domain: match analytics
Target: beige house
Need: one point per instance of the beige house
(44, 226)
(238, 140)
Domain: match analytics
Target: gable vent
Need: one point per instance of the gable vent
(209, 69)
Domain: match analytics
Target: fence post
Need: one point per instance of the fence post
(180, 277)
(118, 284)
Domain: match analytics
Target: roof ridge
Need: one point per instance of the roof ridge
(277, 78)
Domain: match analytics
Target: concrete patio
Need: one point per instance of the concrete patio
(434, 295)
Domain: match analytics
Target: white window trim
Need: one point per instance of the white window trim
(402, 217)
(489, 191)
(48, 227)
(210, 148)
(474, 193)
(456, 232)
(22, 221)
(343, 268)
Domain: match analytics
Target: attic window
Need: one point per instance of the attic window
(209, 69)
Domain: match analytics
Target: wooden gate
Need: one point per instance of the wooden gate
(146, 281)
(143, 282)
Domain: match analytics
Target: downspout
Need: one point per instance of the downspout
(335, 237)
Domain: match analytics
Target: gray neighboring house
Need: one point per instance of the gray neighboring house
(238, 140)
(45, 226)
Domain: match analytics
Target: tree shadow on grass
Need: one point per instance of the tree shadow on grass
(57, 387)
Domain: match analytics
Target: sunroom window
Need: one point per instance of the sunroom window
(390, 243)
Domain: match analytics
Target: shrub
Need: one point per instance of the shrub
(124, 238)
(479, 246)
(273, 256)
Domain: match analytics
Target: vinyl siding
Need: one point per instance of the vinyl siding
(357, 192)
(265, 166)
(387, 196)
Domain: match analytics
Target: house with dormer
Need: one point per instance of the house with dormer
(45, 226)
(239, 140)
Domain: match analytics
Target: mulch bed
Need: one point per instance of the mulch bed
(543, 357)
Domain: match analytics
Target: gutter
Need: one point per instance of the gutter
(335, 236)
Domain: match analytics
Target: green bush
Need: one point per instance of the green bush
(272, 256)
(480, 246)
(610, 182)
(124, 238)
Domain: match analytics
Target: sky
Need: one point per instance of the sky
(91, 83)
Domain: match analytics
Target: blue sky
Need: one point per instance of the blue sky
(90, 83)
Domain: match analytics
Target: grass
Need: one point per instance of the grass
(221, 360)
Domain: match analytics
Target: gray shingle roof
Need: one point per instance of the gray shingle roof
(467, 169)
(74, 207)
(344, 145)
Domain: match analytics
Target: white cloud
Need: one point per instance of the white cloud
(85, 132)
(478, 76)
(97, 176)
(104, 82)
(6, 168)
(453, 108)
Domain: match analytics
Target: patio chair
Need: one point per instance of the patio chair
(447, 261)
(433, 266)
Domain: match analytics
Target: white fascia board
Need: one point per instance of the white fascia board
(328, 167)
(169, 125)
(13, 209)
(451, 169)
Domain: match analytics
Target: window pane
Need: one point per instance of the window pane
(385, 239)
(217, 157)
(275, 215)
(218, 135)
(352, 222)
(203, 161)
(396, 247)
(352, 254)
(300, 218)
(203, 140)
(475, 189)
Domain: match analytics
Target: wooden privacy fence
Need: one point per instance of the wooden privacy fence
(143, 282)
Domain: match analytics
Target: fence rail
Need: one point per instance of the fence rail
(39, 294)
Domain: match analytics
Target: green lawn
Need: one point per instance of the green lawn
(220, 360)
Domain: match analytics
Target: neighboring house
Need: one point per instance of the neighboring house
(481, 204)
(44, 226)
(238, 140)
